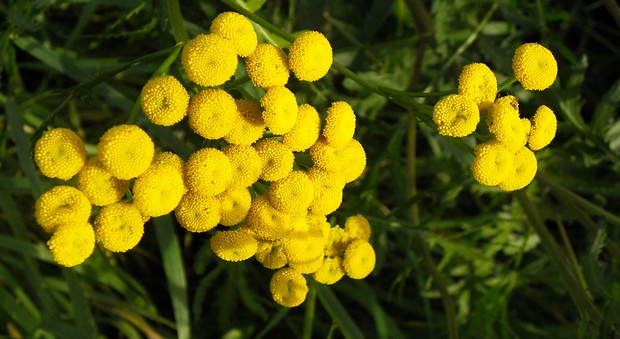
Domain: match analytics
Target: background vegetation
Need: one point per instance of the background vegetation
(454, 258)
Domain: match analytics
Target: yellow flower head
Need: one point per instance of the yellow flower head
(279, 109)
(339, 124)
(310, 56)
(169, 158)
(309, 267)
(209, 60)
(212, 113)
(236, 203)
(126, 151)
(357, 227)
(328, 188)
(233, 245)
(544, 125)
(61, 205)
(208, 172)
(493, 163)
(119, 226)
(503, 106)
(245, 164)
(479, 83)
(271, 254)
(524, 170)
(59, 153)
(306, 130)
(456, 115)
(158, 190)
(359, 259)
(266, 221)
(164, 100)
(72, 244)
(303, 247)
(292, 194)
(330, 272)
(249, 126)
(276, 159)
(325, 156)
(267, 66)
(198, 213)
(507, 125)
(98, 184)
(534, 66)
(336, 242)
(237, 29)
(352, 160)
(319, 221)
(288, 287)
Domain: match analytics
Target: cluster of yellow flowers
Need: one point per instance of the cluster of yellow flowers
(504, 161)
(283, 226)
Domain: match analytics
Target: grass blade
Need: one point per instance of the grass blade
(81, 308)
(338, 313)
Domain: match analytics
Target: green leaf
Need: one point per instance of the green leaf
(337, 312)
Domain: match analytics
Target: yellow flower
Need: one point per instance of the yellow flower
(507, 125)
(271, 254)
(61, 205)
(319, 221)
(245, 164)
(288, 287)
(534, 66)
(233, 245)
(492, 164)
(164, 100)
(310, 56)
(524, 170)
(98, 184)
(212, 113)
(325, 156)
(72, 244)
(126, 151)
(276, 159)
(265, 221)
(198, 213)
(503, 106)
(359, 259)
(357, 227)
(309, 267)
(238, 29)
(330, 272)
(209, 60)
(292, 194)
(59, 153)
(267, 66)
(303, 247)
(208, 172)
(479, 83)
(339, 124)
(306, 130)
(456, 115)
(158, 190)
(236, 203)
(328, 188)
(279, 109)
(169, 158)
(249, 125)
(119, 226)
(544, 125)
(336, 242)
(352, 160)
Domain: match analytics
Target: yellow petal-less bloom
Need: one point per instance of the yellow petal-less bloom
(267, 66)
(544, 126)
(119, 226)
(303, 247)
(249, 126)
(198, 213)
(328, 188)
(330, 272)
(233, 245)
(266, 221)
(169, 158)
(288, 287)
(505, 105)
(479, 83)
(59, 153)
(339, 124)
(359, 259)
(158, 190)
(336, 242)
(236, 203)
(98, 184)
(306, 130)
(238, 29)
(276, 159)
(309, 267)
(271, 254)
(357, 227)
(209, 60)
(212, 113)
(292, 194)
(352, 160)
(245, 164)
(325, 156)
(72, 244)
(164, 100)
(279, 109)
(126, 151)
(310, 56)
(507, 126)
(208, 172)
(524, 170)
(61, 205)
(534, 66)
(319, 221)
(493, 162)
(456, 115)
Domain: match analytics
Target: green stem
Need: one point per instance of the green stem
(309, 316)
(176, 21)
(266, 24)
(511, 80)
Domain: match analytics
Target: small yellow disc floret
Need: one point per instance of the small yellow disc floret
(279, 109)
(158, 190)
(198, 213)
(245, 164)
(524, 170)
(534, 66)
(237, 29)
(310, 56)
(456, 115)
(164, 100)
(544, 125)
(266, 221)
(479, 83)
(493, 162)
(119, 226)
(208, 172)
(507, 126)
(99, 185)
(236, 203)
(357, 227)
(306, 130)
(126, 151)
(249, 125)
(292, 194)
(59, 153)
(267, 66)
(212, 113)
(359, 259)
(288, 287)
(328, 188)
(352, 160)
(233, 245)
(61, 205)
(330, 272)
(271, 254)
(276, 159)
(339, 124)
(72, 243)
(209, 60)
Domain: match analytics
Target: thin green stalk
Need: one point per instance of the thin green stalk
(176, 21)
(266, 24)
(310, 309)
(511, 80)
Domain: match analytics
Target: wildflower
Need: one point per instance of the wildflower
(208, 172)
(324, 155)
(303, 247)
(72, 244)
(359, 259)
(534, 66)
(328, 188)
(59, 153)
(288, 287)
(169, 158)
(544, 125)
(310, 56)
(198, 213)
(479, 83)
(212, 113)
(507, 125)
(506, 105)
(236, 203)
(308, 267)
(336, 242)
(523, 172)
(357, 227)
(249, 125)
(233, 245)
(209, 60)
(271, 254)
(266, 221)
(237, 29)
(330, 272)
(493, 162)
(456, 115)
(276, 159)
(267, 66)
(279, 109)
(352, 160)
(61, 205)
(158, 190)
(292, 194)
(319, 221)
(126, 151)
(164, 100)
(245, 164)
(306, 130)
(339, 124)
(119, 226)
(98, 184)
